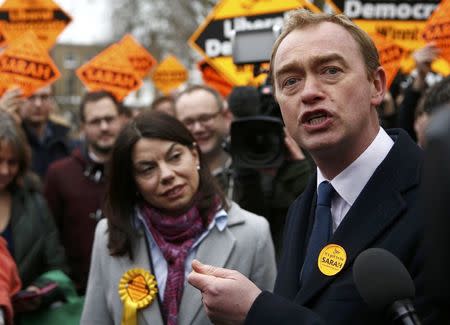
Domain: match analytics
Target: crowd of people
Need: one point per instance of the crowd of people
(153, 222)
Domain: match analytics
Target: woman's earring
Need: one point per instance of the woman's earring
(198, 167)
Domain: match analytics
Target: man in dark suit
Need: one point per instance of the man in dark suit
(329, 82)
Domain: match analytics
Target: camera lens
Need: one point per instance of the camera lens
(257, 142)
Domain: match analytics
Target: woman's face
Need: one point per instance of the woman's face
(166, 173)
(9, 165)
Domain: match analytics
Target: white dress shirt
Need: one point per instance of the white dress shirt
(351, 181)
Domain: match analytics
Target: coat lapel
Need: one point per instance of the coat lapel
(298, 224)
(20, 226)
(214, 250)
(377, 207)
(150, 315)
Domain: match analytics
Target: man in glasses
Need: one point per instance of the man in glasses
(49, 140)
(75, 185)
(203, 111)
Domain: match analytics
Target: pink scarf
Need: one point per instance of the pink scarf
(175, 235)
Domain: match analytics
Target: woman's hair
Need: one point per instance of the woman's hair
(122, 194)
(13, 135)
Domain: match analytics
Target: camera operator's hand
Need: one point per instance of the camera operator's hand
(295, 152)
(423, 58)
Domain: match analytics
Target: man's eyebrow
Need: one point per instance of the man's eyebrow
(322, 59)
(286, 68)
(317, 60)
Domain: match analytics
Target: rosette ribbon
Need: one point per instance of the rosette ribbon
(137, 290)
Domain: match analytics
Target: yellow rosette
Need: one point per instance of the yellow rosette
(137, 290)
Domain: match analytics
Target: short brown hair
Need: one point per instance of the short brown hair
(95, 96)
(437, 96)
(161, 99)
(218, 98)
(302, 18)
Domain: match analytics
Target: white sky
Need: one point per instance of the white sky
(90, 21)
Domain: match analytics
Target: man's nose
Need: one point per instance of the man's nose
(197, 126)
(311, 91)
(37, 101)
(104, 124)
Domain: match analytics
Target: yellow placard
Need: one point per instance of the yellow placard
(213, 38)
(400, 21)
(331, 259)
(26, 64)
(438, 29)
(242, 8)
(169, 74)
(110, 70)
(141, 59)
(327, 6)
(44, 17)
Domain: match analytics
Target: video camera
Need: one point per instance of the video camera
(257, 135)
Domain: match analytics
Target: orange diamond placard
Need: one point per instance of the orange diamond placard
(44, 17)
(110, 70)
(391, 56)
(438, 29)
(141, 59)
(26, 64)
(169, 74)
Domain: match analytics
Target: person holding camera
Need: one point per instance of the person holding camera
(261, 190)
(270, 170)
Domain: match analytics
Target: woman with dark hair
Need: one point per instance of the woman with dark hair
(25, 221)
(164, 209)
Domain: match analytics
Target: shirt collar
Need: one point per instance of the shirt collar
(351, 181)
(220, 220)
(48, 134)
(222, 168)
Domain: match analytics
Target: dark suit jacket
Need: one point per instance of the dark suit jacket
(436, 192)
(384, 215)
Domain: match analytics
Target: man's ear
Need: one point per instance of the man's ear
(378, 86)
(227, 115)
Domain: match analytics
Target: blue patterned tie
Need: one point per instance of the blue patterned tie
(322, 228)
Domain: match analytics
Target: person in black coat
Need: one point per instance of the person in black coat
(328, 82)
